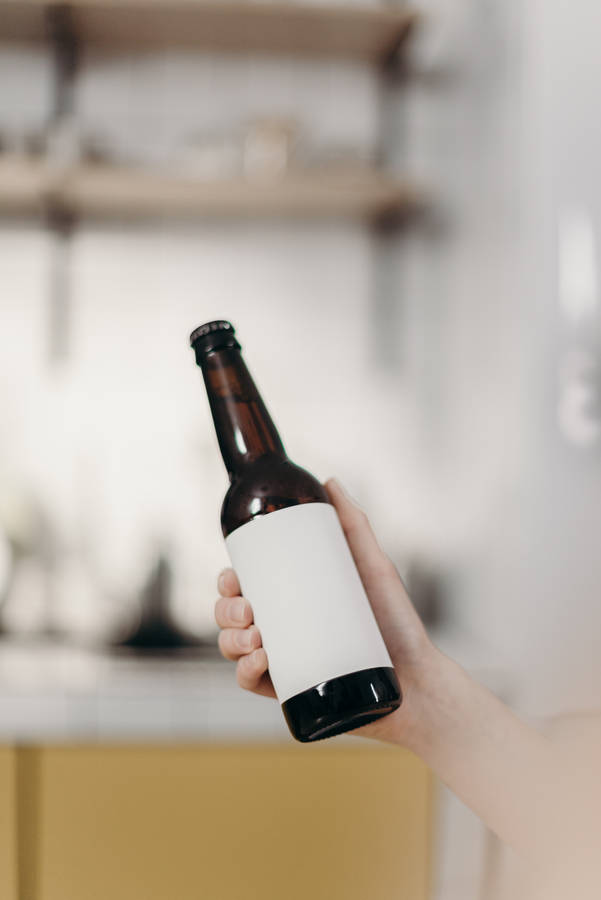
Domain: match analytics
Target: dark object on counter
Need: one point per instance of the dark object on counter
(156, 632)
(426, 588)
(327, 659)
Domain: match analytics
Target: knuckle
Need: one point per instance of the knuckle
(237, 612)
(260, 660)
(245, 612)
(219, 611)
(254, 636)
(242, 674)
(221, 642)
(224, 642)
(249, 669)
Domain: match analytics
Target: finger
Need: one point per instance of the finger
(398, 621)
(236, 642)
(369, 557)
(252, 673)
(233, 612)
(228, 584)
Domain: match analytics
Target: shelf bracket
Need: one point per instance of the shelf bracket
(386, 239)
(62, 35)
(60, 224)
(61, 149)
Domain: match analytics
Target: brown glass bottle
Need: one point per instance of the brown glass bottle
(263, 482)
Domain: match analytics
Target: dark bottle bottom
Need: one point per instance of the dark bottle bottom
(342, 704)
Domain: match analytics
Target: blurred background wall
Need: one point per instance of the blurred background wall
(513, 333)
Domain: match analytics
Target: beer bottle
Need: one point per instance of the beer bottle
(328, 662)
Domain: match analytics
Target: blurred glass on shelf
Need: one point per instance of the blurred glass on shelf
(208, 157)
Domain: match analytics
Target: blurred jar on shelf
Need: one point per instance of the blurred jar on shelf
(269, 147)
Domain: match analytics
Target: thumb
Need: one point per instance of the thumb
(400, 625)
(370, 559)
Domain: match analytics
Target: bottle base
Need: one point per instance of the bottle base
(342, 704)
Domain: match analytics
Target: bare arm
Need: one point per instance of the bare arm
(500, 767)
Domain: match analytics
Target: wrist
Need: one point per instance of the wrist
(427, 697)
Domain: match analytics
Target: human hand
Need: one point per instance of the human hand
(410, 649)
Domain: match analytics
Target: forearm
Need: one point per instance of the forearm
(501, 768)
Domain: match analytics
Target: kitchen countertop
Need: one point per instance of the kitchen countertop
(55, 692)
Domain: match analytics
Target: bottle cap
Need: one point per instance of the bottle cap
(213, 336)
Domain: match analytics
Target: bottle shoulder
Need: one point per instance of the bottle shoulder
(265, 486)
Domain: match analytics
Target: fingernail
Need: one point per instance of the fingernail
(221, 582)
(237, 611)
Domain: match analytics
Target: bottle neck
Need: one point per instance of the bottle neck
(245, 430)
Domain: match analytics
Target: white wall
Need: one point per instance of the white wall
(501, 120)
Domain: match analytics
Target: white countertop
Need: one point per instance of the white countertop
(53, 692)
(56, 692)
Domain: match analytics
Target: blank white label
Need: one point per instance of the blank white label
(297, 572)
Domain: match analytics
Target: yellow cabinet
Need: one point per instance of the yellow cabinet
(8, 824)
(235, 822)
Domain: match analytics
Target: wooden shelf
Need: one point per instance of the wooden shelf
(111, 193)
(24, 184)
(367, 33)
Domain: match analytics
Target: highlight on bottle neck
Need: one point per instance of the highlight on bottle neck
(245, 430)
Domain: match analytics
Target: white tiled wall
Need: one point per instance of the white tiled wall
(142, 402)
(116, 442)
